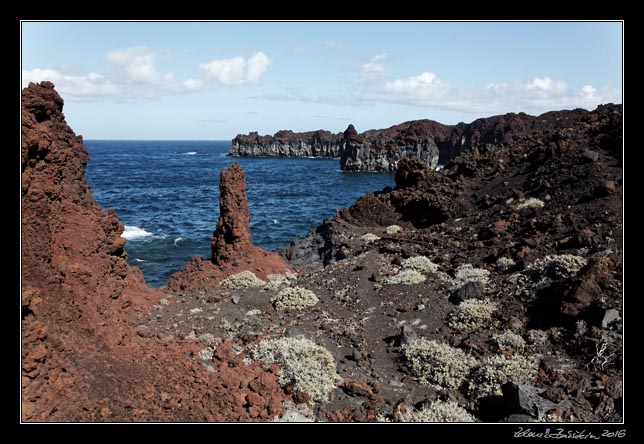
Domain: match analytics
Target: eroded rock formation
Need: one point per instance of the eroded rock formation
(232, 248)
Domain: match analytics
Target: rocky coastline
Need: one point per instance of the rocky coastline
(381, 150)
(488, 291)
(286, 143)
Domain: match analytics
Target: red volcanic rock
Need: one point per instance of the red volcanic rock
(232, 239)
(81, 359)
(232, 246)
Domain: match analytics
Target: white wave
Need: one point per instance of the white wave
(177, 240)
(275, 221)
(133, 232)
(190, 153)
(139, 260)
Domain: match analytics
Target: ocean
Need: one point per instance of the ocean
(166, 193)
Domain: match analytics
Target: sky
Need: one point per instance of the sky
(214, 80)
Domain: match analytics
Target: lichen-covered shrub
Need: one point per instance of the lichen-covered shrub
(557, 266)
(421, 264)
(206, 354)
(471, 314)
(509, 340)
(486, 380)
(369, 238)
(406, 277)
(530, 204)
(436, 363)
(438, 411)
(393, 229)
(245, 279)
(294, 298)
(505, 263)
(467, 273)
(309, 367)
(295, 413)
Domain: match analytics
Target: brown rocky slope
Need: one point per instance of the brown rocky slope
(82, 359)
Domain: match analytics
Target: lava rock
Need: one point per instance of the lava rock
(471, 290)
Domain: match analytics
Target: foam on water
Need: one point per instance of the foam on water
(131, 232)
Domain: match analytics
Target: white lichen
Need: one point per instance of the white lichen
(295, 298)
(393, 229)
(486, 380)
(406, 277)
(369, 238)
(206, 354)
(438, 411)
(209, 339)
(437, 363)
(557, 266)
(505, 263)
(245, 279)
(295, 413)
(531, 204)
(308, 367)
(422, 264)
(466, 273)
(509, 340)
(471, 314)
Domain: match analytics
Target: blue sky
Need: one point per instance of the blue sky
(213, 80)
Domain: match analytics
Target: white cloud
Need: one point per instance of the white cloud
(546, 85)
(74, 87)
(373, 70)
(237, 71)
(192, 84)
(133, 74)
(537, 95)
(138, 64)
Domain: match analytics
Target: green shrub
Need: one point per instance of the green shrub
(245, 279)
(438, 411)
(294, 298)
(471, 314)
(421, 264)
(406, 277)
(486, 380)
(436, 363)
(309, 367)
(393, 229)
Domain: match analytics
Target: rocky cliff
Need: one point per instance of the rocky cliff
(85, 356)
(381, 150)
(286, 143)
(434, 143)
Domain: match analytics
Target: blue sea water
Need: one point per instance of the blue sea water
(167, 195)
